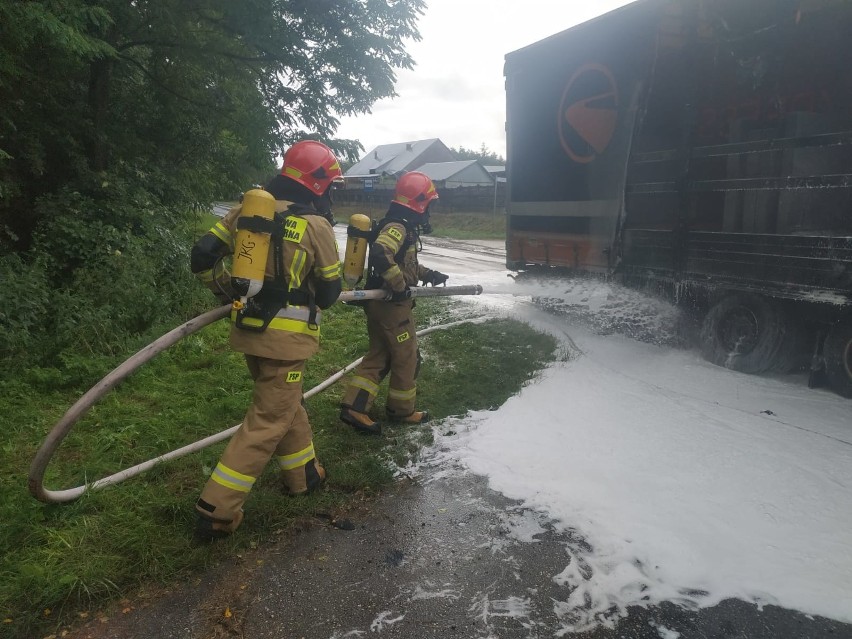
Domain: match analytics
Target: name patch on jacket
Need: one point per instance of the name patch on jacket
(294, 229)
(294, 376)
(395, 234)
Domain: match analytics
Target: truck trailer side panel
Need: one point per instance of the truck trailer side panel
(571, 104)
(701, 146)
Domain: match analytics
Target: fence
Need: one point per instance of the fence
(461, 199)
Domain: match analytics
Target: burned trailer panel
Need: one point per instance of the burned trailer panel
(571, 102)
(701, 146)
(757, 192)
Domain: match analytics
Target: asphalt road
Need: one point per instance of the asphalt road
(439, 555)
(219, 209)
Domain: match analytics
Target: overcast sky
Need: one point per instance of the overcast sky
(455, 91)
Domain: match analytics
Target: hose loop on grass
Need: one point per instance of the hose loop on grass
(58, 433)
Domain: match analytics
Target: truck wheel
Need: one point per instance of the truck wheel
(837, 351)
(745, 333)
(794, 352)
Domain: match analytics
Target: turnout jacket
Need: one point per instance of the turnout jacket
(311, 270)
(393, 258)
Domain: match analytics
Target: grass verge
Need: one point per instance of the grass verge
(458, 226)
(61, 561)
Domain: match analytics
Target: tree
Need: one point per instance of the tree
(484, 156)
(117, 118)
(190, 99)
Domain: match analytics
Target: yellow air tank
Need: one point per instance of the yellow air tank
(251, 249)
(357, 243)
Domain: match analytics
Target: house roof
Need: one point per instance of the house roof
(495, 168)
(444, 170)
(391, 158)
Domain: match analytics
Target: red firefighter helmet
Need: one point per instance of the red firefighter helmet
(415, 191)
(311, 164)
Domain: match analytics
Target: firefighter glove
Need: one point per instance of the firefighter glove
(401, 296)
(436, 277)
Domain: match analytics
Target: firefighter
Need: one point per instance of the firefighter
(393, 265)
(277, 328)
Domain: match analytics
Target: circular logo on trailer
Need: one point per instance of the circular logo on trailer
(588, 113)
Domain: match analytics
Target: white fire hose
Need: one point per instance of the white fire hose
(107, 383)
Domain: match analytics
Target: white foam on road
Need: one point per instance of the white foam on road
(688, 482)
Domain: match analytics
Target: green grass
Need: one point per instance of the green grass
(60, 560)
(459, 226)
(469, 226)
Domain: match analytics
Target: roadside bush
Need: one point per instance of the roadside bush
(105, 268)
(27, 306)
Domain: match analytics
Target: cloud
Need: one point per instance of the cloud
(456, 90)
(449, 87)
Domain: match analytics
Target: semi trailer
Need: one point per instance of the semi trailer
(701, 149)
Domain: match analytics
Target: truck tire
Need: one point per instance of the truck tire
(746, 333)
(794, 352)
(837, 352)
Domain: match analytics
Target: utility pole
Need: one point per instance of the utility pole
(496, 180)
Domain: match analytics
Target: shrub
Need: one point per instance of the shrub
(106, 267)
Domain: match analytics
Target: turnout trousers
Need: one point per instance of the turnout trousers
(276, 423)
(393, 349)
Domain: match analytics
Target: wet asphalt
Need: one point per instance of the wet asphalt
(439, 556)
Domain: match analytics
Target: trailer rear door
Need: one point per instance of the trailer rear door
(570, 108)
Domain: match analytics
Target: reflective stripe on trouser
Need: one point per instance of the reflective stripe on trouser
(292, 467)
(393, 349)
(275, 424)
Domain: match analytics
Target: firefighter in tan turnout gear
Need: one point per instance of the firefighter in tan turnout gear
(393, 265)
(277, 326)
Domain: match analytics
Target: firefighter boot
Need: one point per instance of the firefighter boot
(417, 417)
(360, 421)
(304, 480)
(207, 529)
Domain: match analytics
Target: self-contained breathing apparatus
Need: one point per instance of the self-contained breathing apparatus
(259, 225)
(359, 236)
(361, 233)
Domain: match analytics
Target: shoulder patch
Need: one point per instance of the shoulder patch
(395, 234)
(294, 228)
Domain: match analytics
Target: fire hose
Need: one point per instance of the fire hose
(61, 429)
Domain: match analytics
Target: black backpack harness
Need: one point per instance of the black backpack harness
(374, 278)
(276, 293)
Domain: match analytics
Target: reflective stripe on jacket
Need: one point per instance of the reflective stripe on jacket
(310, 258)
(401, 268)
